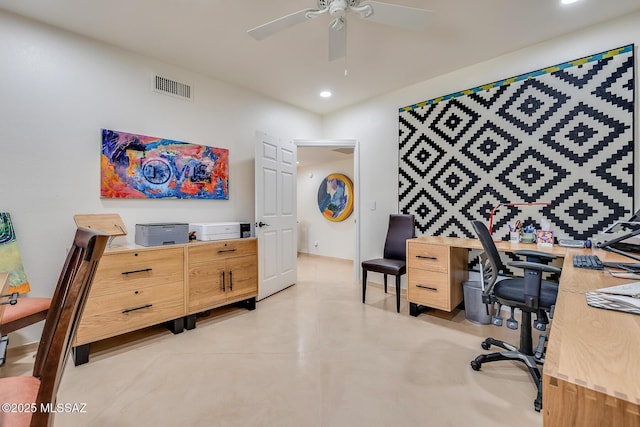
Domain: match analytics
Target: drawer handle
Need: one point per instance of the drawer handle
(137, 271)
(221, 251)
(230, 280)
(223, 286)
(426, 257)
(429, 288)
(129, 310)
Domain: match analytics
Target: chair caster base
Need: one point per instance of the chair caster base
(475, 365)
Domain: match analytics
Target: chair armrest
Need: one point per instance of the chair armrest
(537, 254)
(535, 266)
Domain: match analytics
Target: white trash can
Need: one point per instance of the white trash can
(474, 309)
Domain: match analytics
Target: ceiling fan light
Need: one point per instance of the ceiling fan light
(325, 94)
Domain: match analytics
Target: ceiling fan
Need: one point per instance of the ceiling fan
(410, 18)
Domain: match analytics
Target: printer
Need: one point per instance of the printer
(208, 231)
(162, 234)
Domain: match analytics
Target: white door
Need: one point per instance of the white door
(275, 184)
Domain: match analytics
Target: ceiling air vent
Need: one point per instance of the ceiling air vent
(172, 87)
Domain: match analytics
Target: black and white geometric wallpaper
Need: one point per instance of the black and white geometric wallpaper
(563, 135)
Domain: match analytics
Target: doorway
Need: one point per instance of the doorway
(317, 235)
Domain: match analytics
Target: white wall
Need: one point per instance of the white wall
(58, 90)
(375, 123)
(335, 239)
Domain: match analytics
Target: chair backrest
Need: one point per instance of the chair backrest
(64, 314)
(401, 228)
(488, 273)
(488, 245)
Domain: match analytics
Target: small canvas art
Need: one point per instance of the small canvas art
(335, 197)
(544, 237)
(10, 258)
(138, 166)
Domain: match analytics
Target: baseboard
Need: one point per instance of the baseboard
(324, 257)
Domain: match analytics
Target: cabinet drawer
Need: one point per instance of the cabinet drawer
(206, 252)
(428, 257)
(114, 314)
(428, 288)
(132, 270)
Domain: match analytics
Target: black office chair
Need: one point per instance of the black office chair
(394, 261)
(530, 294)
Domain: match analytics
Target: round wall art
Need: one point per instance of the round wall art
(335, 197)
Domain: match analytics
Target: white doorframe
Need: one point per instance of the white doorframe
(345, 143)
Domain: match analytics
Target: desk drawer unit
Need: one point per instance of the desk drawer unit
(434, 275)
(429, 288)
(429, 257)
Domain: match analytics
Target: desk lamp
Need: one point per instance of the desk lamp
(493, 211)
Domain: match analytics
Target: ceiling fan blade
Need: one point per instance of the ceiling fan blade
(338, 42)
(407, 17)
(265, 30)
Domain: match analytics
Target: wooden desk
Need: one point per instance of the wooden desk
(591, 375)
(4, 286)
(437, 267)
(4, 282)
(4, 341)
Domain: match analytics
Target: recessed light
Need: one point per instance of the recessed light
(568, 1)
(325, 94)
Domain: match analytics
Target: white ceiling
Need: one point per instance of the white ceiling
(209, 36)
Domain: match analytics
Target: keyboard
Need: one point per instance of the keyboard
(587, 261)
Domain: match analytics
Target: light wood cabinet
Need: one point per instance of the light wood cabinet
(144, 286)
(133, 289)
(434, 275)
(222, 273)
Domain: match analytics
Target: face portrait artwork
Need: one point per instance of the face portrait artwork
(335, 197)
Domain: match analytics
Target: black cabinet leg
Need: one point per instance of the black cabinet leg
(80, 354)
(190, 322)
(416, 309)
(250, 304)
(413, 309)
(176, 326)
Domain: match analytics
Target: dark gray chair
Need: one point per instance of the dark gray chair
(394, 261)
(530, 294)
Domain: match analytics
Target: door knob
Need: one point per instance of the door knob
(262, 224)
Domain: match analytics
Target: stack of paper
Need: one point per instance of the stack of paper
(620, 298)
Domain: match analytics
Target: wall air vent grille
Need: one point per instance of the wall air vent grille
(172, 87)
